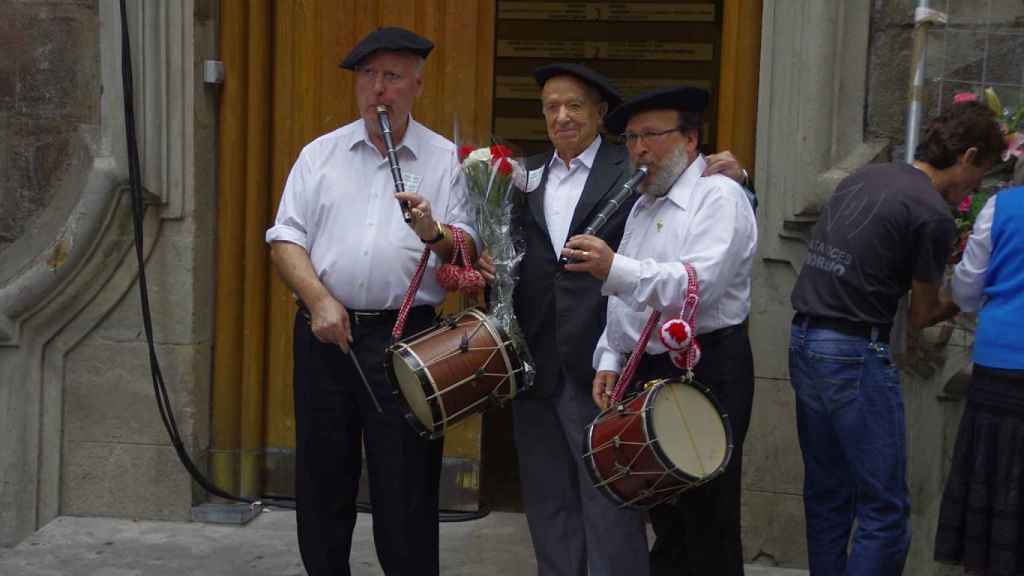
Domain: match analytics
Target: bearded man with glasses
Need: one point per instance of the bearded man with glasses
(680, 222)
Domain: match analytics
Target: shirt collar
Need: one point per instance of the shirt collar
(411, 140)
(586, 157)
(681, 192)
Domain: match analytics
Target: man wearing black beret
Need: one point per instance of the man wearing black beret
(575, 529)
(340, 244)
(682, 229)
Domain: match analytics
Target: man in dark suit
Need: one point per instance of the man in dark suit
(575, 529)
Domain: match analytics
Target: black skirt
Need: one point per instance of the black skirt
(981, 521)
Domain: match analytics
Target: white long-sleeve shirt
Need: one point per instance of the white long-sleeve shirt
(338, 203)
(968, 283)
(707, 222)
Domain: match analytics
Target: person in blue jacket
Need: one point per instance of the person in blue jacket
(981, 519)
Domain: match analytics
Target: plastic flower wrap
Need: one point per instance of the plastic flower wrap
(489, 174)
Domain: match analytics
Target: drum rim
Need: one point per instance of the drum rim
(405, 351)
(652, 434)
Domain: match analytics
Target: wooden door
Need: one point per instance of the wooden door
(282, 89)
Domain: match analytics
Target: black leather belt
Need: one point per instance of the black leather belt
(374, 317)
(849, 327)
(713, 338)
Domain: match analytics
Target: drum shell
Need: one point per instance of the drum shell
(632, 423)
(462, 366)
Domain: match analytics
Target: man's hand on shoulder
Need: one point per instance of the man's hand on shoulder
(726, 164)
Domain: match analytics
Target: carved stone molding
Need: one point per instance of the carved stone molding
(44, 260)
(810, 113)
(60, 280)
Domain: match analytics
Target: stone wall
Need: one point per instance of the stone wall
(49, 85)
(79, 429)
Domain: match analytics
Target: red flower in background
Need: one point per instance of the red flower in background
(965, 204)
(464, 152)
(964, 97)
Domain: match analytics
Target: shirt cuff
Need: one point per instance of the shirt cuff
(623, 273)
(286, 234)
(610, 362)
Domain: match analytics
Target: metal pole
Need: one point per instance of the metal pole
(916, 82)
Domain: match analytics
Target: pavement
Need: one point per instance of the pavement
(498, 544)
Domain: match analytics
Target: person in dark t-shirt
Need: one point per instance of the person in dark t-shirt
(888, 228)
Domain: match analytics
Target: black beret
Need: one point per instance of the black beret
(588, 76)
(391, 39)
(684, 99)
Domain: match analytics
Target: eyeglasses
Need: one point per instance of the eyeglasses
(632, 138)
(370, 75)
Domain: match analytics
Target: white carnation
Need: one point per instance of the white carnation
(480, 155)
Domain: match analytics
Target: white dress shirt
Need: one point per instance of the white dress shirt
(704, 221)
(338, 204)
(968, 283)
(562, 192)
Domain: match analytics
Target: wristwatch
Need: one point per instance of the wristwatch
(438, 237)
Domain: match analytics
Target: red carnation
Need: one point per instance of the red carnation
(464, 151)
(504, 166)
(500, 151)
(965, 204)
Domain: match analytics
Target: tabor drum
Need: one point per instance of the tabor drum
(669, 438)
(453, 370)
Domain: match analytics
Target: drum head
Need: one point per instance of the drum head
(409, 382)
(689, 429)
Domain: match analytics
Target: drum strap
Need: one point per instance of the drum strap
(459, 250)
(634, 359)
(410, 295)
(688, 314)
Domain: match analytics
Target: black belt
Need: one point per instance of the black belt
(661, 364)
(375, 317)
(849, 327)
(716, 336)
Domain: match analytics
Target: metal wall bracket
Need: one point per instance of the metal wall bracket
(213, 72)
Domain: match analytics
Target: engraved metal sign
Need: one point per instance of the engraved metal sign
(602, 50)
(607, 11)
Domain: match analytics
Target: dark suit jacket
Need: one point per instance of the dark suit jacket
(562, 313)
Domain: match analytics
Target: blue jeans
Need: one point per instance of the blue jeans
(850, 420)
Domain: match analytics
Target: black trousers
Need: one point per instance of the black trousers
(699, 534)
(334, 418)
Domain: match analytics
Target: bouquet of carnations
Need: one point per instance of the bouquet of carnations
(490, 173)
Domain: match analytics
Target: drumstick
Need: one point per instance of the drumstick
(352, 354)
